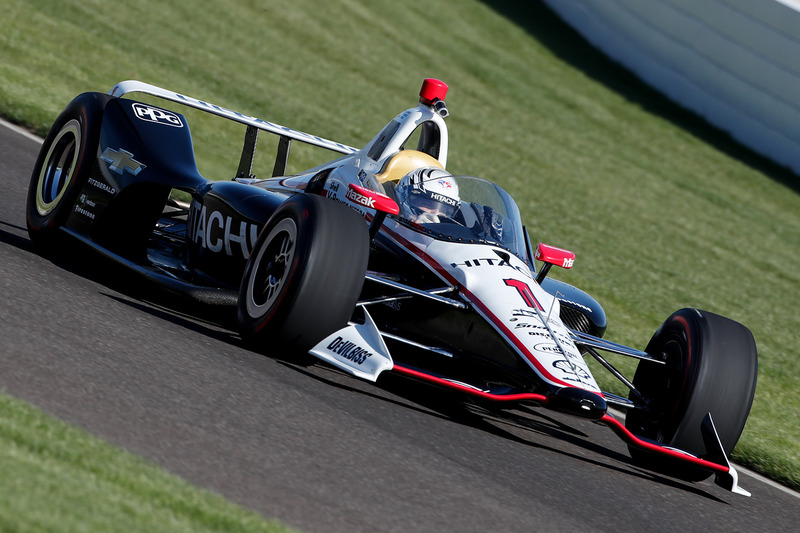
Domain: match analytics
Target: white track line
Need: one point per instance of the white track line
(23, 132)
(620, 415)
(767, 481)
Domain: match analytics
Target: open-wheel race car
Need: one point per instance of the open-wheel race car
(383, 261)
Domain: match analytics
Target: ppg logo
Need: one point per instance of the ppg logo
(153, 114)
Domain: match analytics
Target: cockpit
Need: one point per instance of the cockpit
(484, 213)
(453, 208)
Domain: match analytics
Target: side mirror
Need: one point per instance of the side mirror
(370, 199)
(550, 255)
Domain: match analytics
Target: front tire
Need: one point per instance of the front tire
(711, 367)
(63, 166)
(305, 274)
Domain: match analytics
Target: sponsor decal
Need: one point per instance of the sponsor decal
(332, 188)
(540, 333)
(576, 304)
(548, 348)
(525, 292)
(361, 199)
(349, 350)
(159, 116)
(525, 313)
(215, 232)
(370, 198)
(393, 304)
(122, 161)
(528, 325)
(553, 254)
(85, 212)
(84, 200)
(535, 330)
(452, 202)
(97, 184)
(553, 349)
(491, 262)
(570, 368)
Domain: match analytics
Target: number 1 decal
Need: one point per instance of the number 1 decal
(525, 292)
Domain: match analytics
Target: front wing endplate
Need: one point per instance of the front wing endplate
(358, 349)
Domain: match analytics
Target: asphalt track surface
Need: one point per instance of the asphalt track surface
(311, 446)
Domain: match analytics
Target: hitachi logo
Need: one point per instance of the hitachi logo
(491, 262)
(215, 232)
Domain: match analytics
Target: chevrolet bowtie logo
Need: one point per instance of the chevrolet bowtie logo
(122, 160)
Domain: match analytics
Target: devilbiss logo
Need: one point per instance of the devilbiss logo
(159, 116)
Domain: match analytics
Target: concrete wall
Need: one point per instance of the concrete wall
(735, 62)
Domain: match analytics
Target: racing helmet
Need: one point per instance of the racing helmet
(428, 194)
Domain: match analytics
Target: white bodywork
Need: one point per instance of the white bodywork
(359, 349)
(535, 331)
(522, 312)
(491, 285)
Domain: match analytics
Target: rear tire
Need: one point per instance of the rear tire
(712, 367)
(305, 274)
(63, 166)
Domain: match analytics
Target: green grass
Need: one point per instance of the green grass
(662, 211)
(57, 478)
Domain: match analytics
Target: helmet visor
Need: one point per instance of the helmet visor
(434, 204)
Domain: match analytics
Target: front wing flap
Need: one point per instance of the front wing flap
(717, 462)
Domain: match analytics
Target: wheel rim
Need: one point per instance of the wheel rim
(668, 386)
(58, 168)
(271, 269)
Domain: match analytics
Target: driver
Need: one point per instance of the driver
(427, 195)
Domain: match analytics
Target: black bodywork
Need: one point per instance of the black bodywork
(125, 205)
(200, 247)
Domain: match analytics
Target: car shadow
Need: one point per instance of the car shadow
(137, 292)
(550, 30)
(11, 238)
(511, 424)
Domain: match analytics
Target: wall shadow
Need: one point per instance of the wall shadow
(568, 45)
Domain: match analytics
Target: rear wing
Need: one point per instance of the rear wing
(253, 124)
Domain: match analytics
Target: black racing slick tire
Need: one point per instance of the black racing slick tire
(63, 166)
(305, 274)
(711, 367)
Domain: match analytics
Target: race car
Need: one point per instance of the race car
(382, 261)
